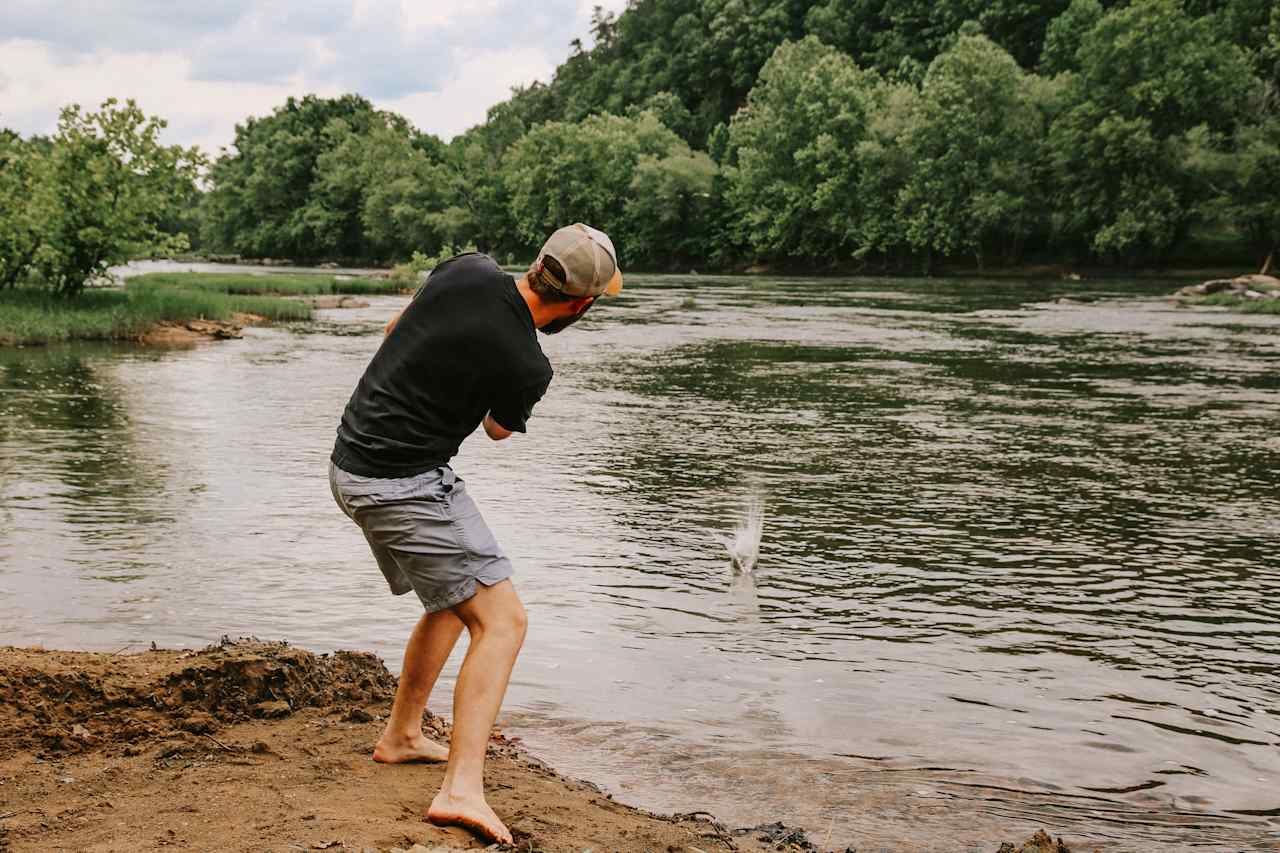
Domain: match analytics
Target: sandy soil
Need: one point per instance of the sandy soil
(263, 747)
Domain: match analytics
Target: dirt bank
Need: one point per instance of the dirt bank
(261, 746)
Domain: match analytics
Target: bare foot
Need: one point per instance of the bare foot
(394, 750)
(473, 813)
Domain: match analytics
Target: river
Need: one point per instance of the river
(1020, 563)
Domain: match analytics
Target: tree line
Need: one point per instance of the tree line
(833, 134)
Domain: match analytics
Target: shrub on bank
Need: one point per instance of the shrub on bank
(408, 276)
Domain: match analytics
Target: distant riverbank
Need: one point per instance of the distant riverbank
(176, 302)
(1182, 269)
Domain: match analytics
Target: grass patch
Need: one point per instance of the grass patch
(1240, 304)
(278, 285)
(30, 317)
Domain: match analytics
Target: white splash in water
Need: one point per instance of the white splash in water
(744, 545)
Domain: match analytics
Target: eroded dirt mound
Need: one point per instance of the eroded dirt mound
(71, 701)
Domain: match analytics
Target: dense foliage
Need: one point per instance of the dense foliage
(820, 133)
(99, 192)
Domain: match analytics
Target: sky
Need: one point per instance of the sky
(206, 65)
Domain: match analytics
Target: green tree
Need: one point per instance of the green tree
(1244, 23)
(104, 192)
(974, 146)
(1239, 183)
(886, 169)
(740, 37)
(670, 110)
(883, 33)
(1148, 74)
(20, 166)
(398, 181)
(671, 208)
(1268, 63)
(705, 53)
(1065, 34)
(264, 200)
(794, 191)
(484, 214)
(563, 172)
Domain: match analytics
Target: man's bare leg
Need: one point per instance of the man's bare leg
(429, 646)
(496, 621)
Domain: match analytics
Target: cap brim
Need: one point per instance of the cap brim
(614, 287)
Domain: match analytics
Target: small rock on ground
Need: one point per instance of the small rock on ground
(1041, 842)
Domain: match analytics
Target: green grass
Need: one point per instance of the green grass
(30, 316)
(1244, 306)
(273, 284)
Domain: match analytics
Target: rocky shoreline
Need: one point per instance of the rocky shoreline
(257, 746)
(1244, 288)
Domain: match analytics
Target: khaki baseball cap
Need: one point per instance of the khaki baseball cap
(586, 258)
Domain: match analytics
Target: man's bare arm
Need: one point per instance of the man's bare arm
(391, 324)
(495, 430)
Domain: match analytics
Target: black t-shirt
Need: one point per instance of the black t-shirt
(465, 346)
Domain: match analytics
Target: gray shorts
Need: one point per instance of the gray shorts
(426, 533)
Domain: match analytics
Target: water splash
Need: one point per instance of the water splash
(744, 545)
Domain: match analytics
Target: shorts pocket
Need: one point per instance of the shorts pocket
(469, 526)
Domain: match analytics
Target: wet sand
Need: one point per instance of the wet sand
(262, 746)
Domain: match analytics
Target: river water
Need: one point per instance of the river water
(1020, 563)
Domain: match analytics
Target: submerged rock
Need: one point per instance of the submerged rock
(326, 302)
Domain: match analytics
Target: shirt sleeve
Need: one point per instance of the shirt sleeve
(513, 410)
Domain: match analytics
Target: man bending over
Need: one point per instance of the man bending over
(464, 352)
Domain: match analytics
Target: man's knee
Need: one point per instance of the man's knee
(512, 621)
(496, 611)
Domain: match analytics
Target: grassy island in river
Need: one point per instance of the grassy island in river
(30, 316)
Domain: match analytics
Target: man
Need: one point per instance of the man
(464, 352)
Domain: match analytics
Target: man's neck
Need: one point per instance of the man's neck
(541, 312)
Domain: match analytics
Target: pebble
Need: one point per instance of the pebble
(359, 715)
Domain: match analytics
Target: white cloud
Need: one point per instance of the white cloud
(478, 82)
(442, 63)
(199, 113)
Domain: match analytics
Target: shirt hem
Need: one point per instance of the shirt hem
(354, 465)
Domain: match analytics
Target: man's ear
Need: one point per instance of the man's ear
(579, 305)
